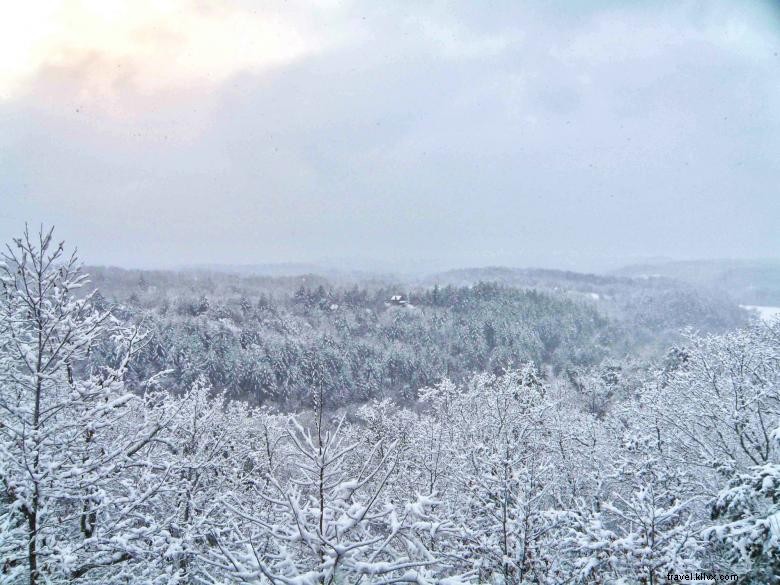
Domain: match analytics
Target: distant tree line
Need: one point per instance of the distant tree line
(271, 340)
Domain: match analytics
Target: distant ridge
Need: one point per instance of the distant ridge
(752, 282)
(271, 269)
(542, 278)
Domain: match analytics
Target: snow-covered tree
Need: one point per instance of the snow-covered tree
(748, 510)
(638, 529)
(485, 448)
(324, 518)
(718, 407)
(71, 472)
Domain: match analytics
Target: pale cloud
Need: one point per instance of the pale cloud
(105, 47)
(455, 41)
(624, 34)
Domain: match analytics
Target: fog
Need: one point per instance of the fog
(394, 136)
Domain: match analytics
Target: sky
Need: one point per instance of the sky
(577, 135)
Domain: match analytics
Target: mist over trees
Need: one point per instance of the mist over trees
(175, 428)
(270, 340)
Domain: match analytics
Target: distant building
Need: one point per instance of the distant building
(398, 301)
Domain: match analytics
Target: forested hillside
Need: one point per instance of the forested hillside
(270, 340)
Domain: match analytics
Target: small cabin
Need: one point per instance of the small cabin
(398, 301)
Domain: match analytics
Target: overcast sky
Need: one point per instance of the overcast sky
(547, 133)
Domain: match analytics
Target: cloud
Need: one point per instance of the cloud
(508, 133)
(107, 47)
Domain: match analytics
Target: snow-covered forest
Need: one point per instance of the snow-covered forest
(215, 429)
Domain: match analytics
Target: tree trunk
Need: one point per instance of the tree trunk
(32, 554)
